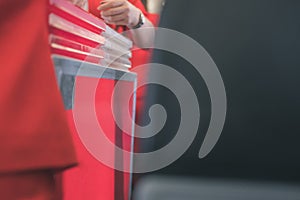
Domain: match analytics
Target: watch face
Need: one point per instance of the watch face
(142, 19)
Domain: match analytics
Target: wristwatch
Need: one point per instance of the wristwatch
(142, 20)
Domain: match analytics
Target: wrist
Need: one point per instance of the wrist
(139, 22)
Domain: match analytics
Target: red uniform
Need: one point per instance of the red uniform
(34, 133)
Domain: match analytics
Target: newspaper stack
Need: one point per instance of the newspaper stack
(77, 34)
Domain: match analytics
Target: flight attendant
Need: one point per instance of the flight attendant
(35, 141)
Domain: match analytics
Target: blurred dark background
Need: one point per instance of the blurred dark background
(256, 47)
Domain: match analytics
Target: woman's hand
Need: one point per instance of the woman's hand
(122, 12)
(119, 12)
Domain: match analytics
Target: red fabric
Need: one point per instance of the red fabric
(32, 185)
(33, 129)
(92, 179)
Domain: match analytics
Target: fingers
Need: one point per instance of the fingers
(119, 23)
(115, 11)
(116, 18)
(119, 12)
(105, 5)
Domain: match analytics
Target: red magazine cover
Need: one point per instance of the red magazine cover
(77, 16)
(78, 34)
(73, 53)
(65, 47)
(64, 25)
(62, 41)
(73, 37)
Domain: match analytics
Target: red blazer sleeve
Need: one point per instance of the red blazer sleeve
(154, 18)
(33, 129)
